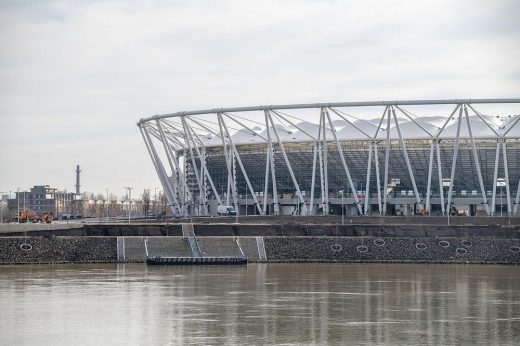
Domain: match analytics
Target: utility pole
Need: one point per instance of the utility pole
(342, 212)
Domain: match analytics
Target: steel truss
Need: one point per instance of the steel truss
(273, 163)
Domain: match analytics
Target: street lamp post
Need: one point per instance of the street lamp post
(2, 207)
(129, 189)
(342, 213)
(130, 204)
(18, 201)
(107, 203)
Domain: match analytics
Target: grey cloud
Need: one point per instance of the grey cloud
(76, 76)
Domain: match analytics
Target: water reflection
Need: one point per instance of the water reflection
(133, 304)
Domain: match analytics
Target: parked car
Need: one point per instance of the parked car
(226, 210)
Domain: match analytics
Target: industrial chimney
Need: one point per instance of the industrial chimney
(77, 180)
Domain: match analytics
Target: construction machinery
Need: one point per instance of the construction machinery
(25, 217)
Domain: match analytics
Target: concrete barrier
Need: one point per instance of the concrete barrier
(263, 230)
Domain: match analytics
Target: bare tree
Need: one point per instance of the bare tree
(146, 201)
(163, 202)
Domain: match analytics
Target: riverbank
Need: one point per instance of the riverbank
(17, 250)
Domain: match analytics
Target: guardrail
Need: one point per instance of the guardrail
(30, 227)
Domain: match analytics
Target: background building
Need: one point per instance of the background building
(43, 198)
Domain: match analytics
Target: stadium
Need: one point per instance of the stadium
(419, 157)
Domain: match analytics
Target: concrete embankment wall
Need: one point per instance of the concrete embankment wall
(276, 249)
(417, 250)
(284, 230)
(58, 250)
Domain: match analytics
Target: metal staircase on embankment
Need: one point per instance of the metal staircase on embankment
(197, 255)
(189, 234)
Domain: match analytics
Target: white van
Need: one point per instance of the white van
(226, 210)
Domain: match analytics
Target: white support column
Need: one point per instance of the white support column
(270, 158)
(201, 177)
(344, 163)
(276, 205)
(378, 178)
(454, 161)
(407, 159)
(204, 194)
(495, 178)
(212, 184)
(439, 167)
(367, 187)
(172, 201)
(188, 195)
(325, 148)
(232, 179)
(376, 159)
(280, 144)
(317, 152)
(313, 179)
(439, 171)
(193, 162)
(174, 165)
(204, 170)
(429, 185)
(237, 155)
(228, 158)
(266, 180)
(169, 155)
(387, 158)
(506, 173)
(477, 163)
(320, 160)
(168, 186)
(517, 198)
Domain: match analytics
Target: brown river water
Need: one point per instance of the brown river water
(260, 304)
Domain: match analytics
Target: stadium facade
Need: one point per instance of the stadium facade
(357, 158)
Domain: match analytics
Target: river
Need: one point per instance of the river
(292, 304)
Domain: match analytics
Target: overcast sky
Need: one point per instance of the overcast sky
(76, 76)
